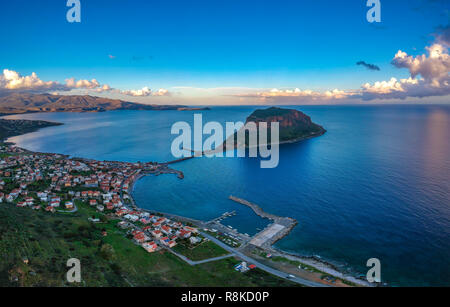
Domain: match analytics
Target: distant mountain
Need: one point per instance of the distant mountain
(28, 103)
(294, 125)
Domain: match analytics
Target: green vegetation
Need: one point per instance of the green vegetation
(201, 251)
(47, 241)
(9, 128)
(294, 125)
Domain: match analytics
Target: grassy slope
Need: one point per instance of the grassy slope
(49, 240)
(204, 250)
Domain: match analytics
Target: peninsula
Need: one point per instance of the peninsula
(9, 128)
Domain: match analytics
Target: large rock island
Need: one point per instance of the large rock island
(294, 126)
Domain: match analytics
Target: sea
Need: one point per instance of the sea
(376, 185)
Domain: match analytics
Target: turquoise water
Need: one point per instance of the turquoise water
(376, 185)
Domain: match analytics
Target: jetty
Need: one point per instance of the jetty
(280, 227)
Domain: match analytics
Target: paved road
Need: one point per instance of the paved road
(263, 267)
(192, 262)
(214, 259)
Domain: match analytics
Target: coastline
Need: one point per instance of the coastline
(321, 265)
(318, 264)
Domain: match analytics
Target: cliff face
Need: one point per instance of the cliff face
(294, 125)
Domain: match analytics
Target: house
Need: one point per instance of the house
(183, 234)
(156, 233)
(144, 221)
(195, 240)
(69, 205)
(42, 194)
(140, 237)
(166, 229)
(100, 208)
(150, 247)
(164, 240)
(191, 229)
(93, 202)
(50, 209)
(171, 244)
(121, 212)
(94, 220)
(131, 217)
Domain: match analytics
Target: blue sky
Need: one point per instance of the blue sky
(216, 44)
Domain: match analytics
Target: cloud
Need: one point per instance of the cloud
(161, 92)
(82, 84)
(429, 76)
(145, 92)
(368, 66)
(433, 68)
(299, 95)
(12, 81)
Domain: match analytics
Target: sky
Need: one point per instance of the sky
(229, 51)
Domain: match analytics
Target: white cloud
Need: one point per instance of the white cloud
(429, 76)
(11, 80)
(83, 84)
(145, 92)
(433, 68)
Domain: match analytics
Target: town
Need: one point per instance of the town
(56, 183)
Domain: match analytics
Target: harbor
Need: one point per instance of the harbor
(280, 227)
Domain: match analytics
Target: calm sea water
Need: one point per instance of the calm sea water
(376, 185)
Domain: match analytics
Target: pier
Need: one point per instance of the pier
(280, 227)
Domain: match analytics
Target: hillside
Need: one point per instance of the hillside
(46, 241)
(27, 103)
(9, 128)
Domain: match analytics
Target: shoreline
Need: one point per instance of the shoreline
(321, 265)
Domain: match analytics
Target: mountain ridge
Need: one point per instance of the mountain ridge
(20, 103)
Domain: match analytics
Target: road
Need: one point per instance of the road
(192, 262)
(263, 267)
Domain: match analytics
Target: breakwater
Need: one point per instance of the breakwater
(280, 227)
